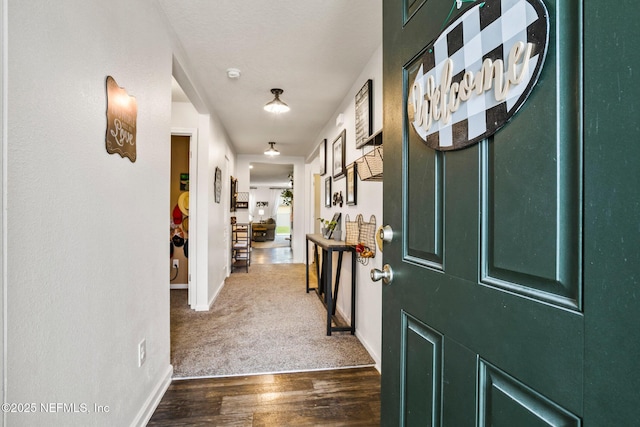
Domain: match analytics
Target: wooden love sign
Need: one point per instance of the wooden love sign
(122, 114)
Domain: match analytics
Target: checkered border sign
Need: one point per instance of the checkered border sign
(487, 30)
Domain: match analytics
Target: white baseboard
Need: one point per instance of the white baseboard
(364, 343)
(373, 355)
(212, 300)
(179, 286)
(152, 402)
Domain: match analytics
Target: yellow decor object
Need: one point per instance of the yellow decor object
(183, 203)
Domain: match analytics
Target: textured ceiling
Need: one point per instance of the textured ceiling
(270, 174)
(313, 49)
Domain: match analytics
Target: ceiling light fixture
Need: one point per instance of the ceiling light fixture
(276, 106)
(272, 151)
(233, 73)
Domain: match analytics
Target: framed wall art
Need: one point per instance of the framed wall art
(217, 184)
(352, 185)
(233, 193)
(364, 119)
(327, 192)
(338, 155)
(323, 157)
(242, 200)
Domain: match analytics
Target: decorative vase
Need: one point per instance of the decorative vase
(324, 231)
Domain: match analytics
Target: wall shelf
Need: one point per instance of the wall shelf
(375, 139)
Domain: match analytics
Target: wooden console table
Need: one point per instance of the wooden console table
(259, 233)
(324, 288)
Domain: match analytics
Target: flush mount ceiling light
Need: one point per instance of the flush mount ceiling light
(272, 151)
(233, 73)
(276, 106)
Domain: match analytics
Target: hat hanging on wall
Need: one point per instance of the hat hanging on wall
(178, 237)
(185, 248)
(183, 203)
(185, 224)
(177, 215)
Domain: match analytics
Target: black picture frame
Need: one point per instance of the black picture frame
(233, 194)
(323, 157)
(217, 184)
(364, 119)
(327, 192)
(352, 185)
(339, 155)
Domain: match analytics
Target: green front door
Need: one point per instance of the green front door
(514, 297)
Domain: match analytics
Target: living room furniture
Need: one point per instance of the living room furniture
(268, 227)
(270, 224)
(259, 232)
(325, 289)
(240, 246)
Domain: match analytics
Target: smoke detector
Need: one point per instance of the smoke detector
(233, 73)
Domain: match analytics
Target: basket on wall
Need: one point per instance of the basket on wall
(359, 231)
(370, 165)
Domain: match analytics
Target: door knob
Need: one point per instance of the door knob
(386, 274)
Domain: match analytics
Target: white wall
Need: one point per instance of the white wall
(369, 202)
(3, 6)
(86, 232)
(213, 219)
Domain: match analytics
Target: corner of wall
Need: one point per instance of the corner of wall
(152, 402)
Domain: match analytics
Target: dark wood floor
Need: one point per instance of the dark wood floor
(280, 255)
(346, 397)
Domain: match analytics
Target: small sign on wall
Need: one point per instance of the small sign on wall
(122, 115)
(478, 73)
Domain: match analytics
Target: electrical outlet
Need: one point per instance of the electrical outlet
(142, 352)
(176, 263)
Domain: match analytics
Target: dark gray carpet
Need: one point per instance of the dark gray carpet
(262, 322)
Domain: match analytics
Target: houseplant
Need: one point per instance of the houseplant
(327, 227)
(287, 197)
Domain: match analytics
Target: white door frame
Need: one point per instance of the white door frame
(192, 133)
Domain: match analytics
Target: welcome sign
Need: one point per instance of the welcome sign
(478, 73)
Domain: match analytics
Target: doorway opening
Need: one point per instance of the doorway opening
(182, 223)
(271, 206)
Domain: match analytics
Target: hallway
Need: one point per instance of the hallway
(276, 252)
(262, 321)
(339, 397)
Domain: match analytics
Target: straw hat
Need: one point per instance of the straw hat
(183, 203)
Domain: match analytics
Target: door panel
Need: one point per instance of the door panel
(421, 367)
(530, 241)
(502, 399)
(487, 293)
(425, 227)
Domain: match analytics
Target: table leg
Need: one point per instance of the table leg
(353, 293)
(328, 297)
(337, 288)
(315, 255)
(306, 261)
